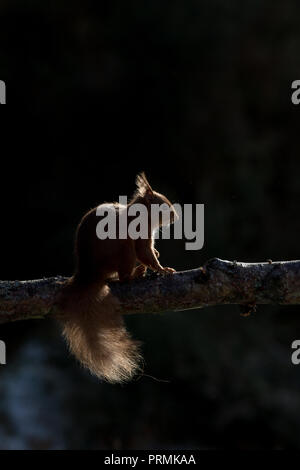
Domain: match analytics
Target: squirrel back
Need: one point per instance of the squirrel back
(93, 327)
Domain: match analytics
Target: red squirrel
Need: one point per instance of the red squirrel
(94, 331)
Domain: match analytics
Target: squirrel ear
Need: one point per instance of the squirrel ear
(143, 185)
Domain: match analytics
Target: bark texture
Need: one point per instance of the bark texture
(217, 282)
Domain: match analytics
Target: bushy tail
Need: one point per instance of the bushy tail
(96, 333)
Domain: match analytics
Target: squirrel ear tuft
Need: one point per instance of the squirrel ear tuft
(143, 185)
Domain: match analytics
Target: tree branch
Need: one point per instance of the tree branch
(218, 282)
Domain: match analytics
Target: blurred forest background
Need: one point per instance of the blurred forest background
(197, 94)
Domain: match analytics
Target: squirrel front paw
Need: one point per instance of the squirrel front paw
(167, 271)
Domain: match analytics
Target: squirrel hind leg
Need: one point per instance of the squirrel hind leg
(126, 270)
(140, 271)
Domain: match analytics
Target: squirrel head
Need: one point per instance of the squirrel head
(148, 196)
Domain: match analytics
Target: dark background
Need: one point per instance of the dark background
(197, 94)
